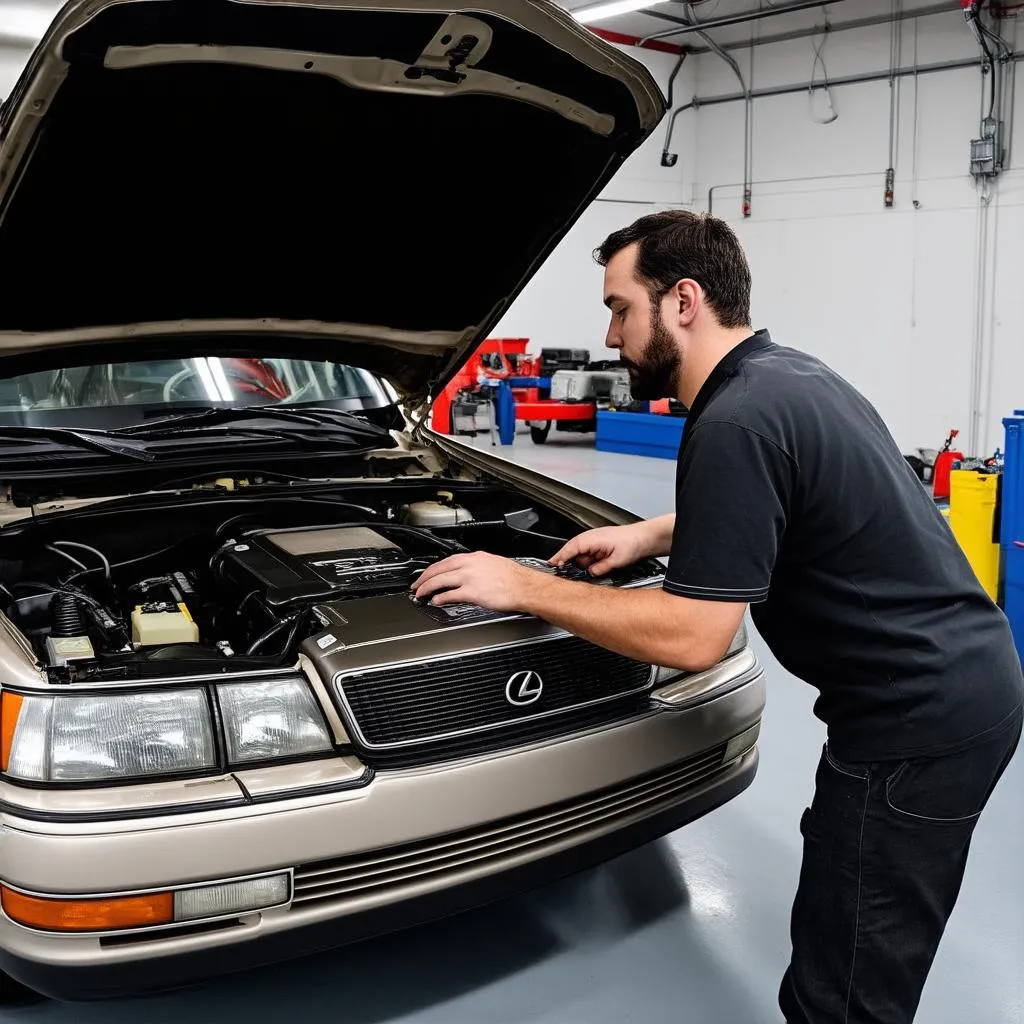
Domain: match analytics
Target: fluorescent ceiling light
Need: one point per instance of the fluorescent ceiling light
(609, 10)
(24, 24)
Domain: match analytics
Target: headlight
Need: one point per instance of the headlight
(161, 733)
(271, 720)
(101, 738)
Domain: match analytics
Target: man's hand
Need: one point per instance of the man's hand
(489, 581)
(615, 547)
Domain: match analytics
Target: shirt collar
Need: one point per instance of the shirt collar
(726, 368)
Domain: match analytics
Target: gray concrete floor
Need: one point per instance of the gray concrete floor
(691, 929)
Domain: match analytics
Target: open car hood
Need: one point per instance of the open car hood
(367, 181)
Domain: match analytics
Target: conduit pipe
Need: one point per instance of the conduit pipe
(668, 158)
(738, 19)
(949, 7)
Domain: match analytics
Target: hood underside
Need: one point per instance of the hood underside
(347, 180)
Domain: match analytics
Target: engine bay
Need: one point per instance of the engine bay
(165, 585)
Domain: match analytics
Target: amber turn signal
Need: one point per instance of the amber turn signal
(10, 709)
(87, 915)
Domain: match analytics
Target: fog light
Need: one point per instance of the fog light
(147, 910)
(231, 898)
(741, 744)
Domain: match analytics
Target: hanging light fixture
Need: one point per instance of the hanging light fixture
(586, 15)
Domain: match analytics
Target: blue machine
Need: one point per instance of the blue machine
(503, 403)
(1011, 528)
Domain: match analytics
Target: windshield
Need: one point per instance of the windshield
(107, 395)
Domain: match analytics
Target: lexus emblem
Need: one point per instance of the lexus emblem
(524, 688)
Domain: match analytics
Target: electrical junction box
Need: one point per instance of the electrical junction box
(65, 649)
(987, 151)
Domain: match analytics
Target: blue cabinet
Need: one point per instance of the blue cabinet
(1011, 527)
(640, 433)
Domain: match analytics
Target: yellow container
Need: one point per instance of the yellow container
(972, 510)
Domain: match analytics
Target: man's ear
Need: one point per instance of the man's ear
(686, 295)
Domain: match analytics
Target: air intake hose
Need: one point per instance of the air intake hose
(67, 616)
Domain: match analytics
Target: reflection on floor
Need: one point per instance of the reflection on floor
(692, 929)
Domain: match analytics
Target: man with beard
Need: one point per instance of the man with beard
(794, 500)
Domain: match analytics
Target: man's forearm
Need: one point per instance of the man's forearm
(645, 624)
(659, 534)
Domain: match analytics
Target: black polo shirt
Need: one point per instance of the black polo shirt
(793, 496)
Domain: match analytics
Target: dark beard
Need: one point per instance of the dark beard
(656, 373)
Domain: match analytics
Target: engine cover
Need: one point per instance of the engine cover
(285, 566)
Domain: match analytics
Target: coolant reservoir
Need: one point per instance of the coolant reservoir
(442, 512)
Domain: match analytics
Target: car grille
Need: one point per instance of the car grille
(382, 872)
(440, 702)
(519, 734)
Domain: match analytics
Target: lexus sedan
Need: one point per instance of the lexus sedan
(243, 245)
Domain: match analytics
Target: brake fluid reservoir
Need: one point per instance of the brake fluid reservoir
(443, 512)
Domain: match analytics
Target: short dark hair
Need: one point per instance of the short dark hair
(677, 244)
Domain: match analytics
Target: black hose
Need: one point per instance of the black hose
(85, 547)
(292, 633)
(70, 558)
(130, 561)
(271, 633)
(67, 616)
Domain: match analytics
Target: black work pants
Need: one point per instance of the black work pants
(885, 846)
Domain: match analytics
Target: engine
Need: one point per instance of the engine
(240, 582)
(289, 567)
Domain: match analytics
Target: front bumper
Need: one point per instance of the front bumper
(407, 847)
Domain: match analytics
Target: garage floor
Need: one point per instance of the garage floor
(692, 929)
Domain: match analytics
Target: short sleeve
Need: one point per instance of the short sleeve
(734, 488)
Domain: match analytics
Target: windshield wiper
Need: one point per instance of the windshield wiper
(197, 421)
(88, 439)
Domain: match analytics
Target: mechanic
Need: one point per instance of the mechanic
(793, 499)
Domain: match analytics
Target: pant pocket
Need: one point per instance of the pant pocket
(859, 772)
(953, 789)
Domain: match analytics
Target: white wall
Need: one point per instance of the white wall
(886, 296)
(561, 306)
(12, 59)
(889, 297)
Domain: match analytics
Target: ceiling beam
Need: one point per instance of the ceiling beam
(628, 40)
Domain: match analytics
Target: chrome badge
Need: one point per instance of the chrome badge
(524, 688)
